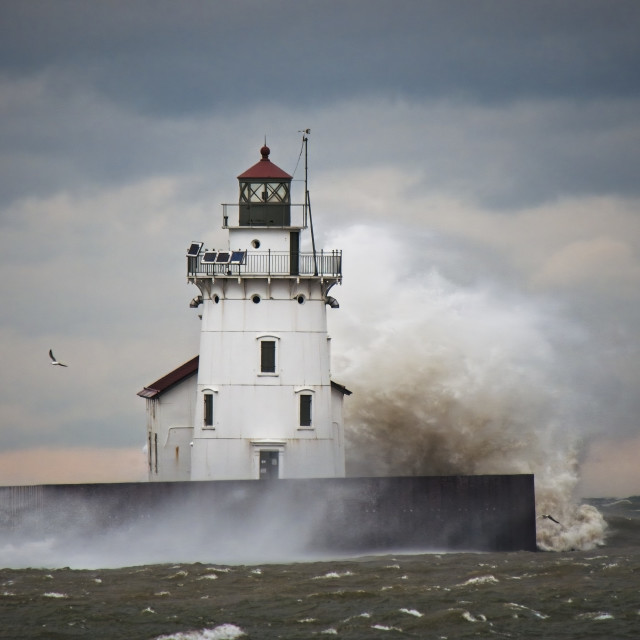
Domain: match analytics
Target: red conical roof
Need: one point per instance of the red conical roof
(264, 169)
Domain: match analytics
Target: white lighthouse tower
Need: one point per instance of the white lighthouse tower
(263, 404)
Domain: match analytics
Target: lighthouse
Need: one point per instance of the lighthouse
(258, 402)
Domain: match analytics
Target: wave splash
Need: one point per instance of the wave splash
(449, 380)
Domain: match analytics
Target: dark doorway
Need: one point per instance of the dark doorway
(294, 249)
(269, 465)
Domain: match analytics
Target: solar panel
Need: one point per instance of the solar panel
(223, 257)
(194, 249)
(209, 257)
(237, 257)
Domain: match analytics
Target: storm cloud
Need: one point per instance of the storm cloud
(496, 143)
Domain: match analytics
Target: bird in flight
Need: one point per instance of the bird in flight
(53, 359)
(548, 517)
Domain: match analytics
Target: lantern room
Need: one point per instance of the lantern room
(265, 194)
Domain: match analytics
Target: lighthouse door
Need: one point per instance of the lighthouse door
(269, 465)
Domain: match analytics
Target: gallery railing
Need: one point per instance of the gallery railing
(265, 263)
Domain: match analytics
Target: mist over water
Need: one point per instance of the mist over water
(233, 525)
(448, 379)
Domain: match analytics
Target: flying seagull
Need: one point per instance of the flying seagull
(53, 359)
(548, 517)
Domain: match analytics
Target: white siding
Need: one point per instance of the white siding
(170, 425)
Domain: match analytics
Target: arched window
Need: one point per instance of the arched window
(268, 355)
(305, 407)
(306, 410)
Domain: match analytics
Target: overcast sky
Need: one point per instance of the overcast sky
(487, 150)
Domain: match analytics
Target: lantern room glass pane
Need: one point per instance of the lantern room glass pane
(264, 192)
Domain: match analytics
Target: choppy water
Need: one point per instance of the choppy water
(577, 594)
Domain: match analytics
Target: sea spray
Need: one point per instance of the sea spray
(454, 380)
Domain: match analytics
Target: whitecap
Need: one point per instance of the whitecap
(616, 502)
(412, 612)
(332, 575)
(382, 627)
(360, 615)
(54, 594)
(521, 607)
(479, 580)
(221, 632)
(471, 618)
(178, 574)
(595, 615)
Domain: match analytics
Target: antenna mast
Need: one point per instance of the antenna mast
(307, 197)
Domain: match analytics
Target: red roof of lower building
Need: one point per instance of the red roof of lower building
(166, 382)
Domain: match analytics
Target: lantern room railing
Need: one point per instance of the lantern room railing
(326, 264)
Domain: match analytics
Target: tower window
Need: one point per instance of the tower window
(208, 409)
(305, 410)
(268, 356)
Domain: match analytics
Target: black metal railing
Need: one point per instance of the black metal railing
(271, 263)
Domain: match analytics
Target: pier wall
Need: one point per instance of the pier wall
(350, 515)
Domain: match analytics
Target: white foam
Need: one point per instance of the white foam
(479, 580)
(471, 618)
(383, 627)
(521, 607)
(595, 615)
(221, 632)
(333, 575)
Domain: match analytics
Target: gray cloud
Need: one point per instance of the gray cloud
(163, 58)
(496, 142)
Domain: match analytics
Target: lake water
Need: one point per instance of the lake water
(571, 594)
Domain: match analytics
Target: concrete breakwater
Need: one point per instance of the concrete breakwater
(345, 515)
